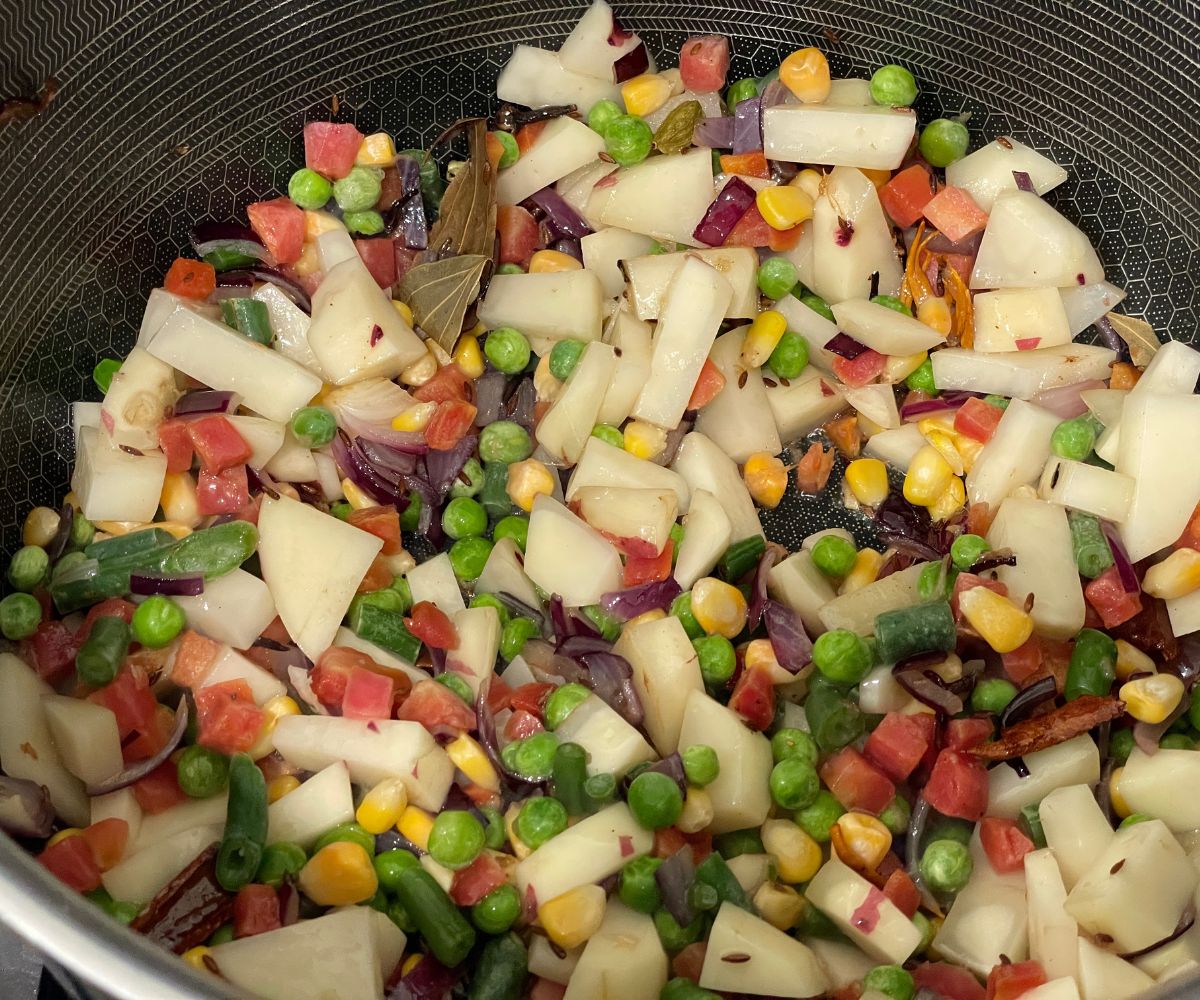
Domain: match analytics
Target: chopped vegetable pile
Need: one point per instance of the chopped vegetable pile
(604, 738)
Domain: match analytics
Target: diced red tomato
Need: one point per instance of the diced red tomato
(977, 419)
(703, 63)
(255, 911)
(332, 672)
(380, 257)
(107, 840)
(857, 783)
(383, 523)
(159, 790)
(531, 698)
(1011, 980)
(951, 982)
(522, 724)
(176, 442)
(437, 708)
(547, 989)
(753, 164)
(432, 626)
(859, 371)
(368, 695)
(448, 384)
(963, 734)
(194, 658)
(1113, 604)
(897, 745)
(377, 577)
(450, 423)
(54, 649)
(224, 492)
(130, 699)
(784, 240)
(709, 384)
(1024, 661)
(649, 569)
(958, 786)
(71, 862)
(229, 721)
(1004, 844)
(218, 443)
(928, 724)
(979, 518)
(953, 211)
(280, 225)
(813, 469)
(529, 134)
(519, 234)
(753, 699)
(968, 581)
(475, 881)
(191, 279)
(751, 230)
(903, 892)
(330, 148)
(905, 196)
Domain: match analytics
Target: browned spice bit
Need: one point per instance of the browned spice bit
(1073, 719)
(831, 36)
(28, 750)
(335, 103)
(1004, 141)
(1117, 867)
(743, 378)
(130, 450)
(21, 109)
(1103, 939)
(770, 383)
(189, 908)
(182, 149)
(786, 383)
(210, 964)
(735, 958)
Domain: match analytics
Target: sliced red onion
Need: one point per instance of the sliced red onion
(611, 677)
(489, 397)
(758, 584)
(520, 404)
(715, 133)
(748, 126)
(921, 408)
(272, 276)
(634, 601)
(427, 980)
(566, 622)
(775, 93)
(1064, 401)
(406, 221)
(570, 246)
(1129, 577)
(725, 212)
(672, 767)
(385, 458)
(1147, 735)
(845, 346)
(928, 689)
(1022, 706)
(968, 246)
(1023, 181)
(135, 772)
(25, 808)
(207, 401)
(1111, 339)
(912, 849)
(563, 219)
(442, 467)
(485, 727)
(289, 904)
(575, 646)
(411, 442)
(633, 63)
(360, 472)
(148, 584)
(789, 640)
(62, 534)
(674, 878)
(520, 608)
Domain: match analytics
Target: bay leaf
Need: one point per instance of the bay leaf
(1139, 335)
(441, 291)
(467, 218)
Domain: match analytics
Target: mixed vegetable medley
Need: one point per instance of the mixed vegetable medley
(410, 629)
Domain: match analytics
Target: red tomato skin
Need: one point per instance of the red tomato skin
(905, 196)
(753, 699)
(903, 892)
(437, 708)
(639, 569)
(859, 371)
(531, 698)
(379, 255)
(406, 259)
(963, 734)
(383, 523)
(480, 877)
(518, 231)
(432, 626)
(133, 703)
(522, 724)
(751, 230)
(977, 419)
(159, 790)
(255, 911)
(176, 443)
(709, 384)
(331, 148)
(958, 786)
(1024, 661)
(1106, 594)
(952, 982)
(107, 841)
(450, 423)
(218, 443)
(954, 212)
(1004, 844)
(1011, 980)
(71, 862)
(857, 783)
(704, 63)
(897, 745)
(229, 721)
(54, 650)
(222, 492)
(368, 695)
(279, 223)
(448, 384)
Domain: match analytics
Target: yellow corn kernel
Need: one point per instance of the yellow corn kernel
(309, 262)
(415, 418)
(438, 352)
(572, 918)
(528, 480)
(318, 224)
(339, 874)
(653, 615)
(675, 79)
(1176, 576)
(195, 957)
(1000, 623)
(866, 838)
(806, 74)
(968, 450)
(943, 422)
(520, 849)
(382, 807)
(411, 963)
(877, 177)
(377, 150)
(645, 94)
(808, 181)
(865, 570)
(1119, 805)
(644, 440)
(950, 502)
(41, 525)
(934, 312)
(415, 824)
(1131, 660)
(944, 443)
(552, 261)
(67, 834)
(697, 811)
(285, 784)
(355, 497)
(469, 757)
(868, 481)
(779, 905)
(420, 371)
(927, 478)
(178, 499)
(763, 337)
(405, 312)
(896, 369)
(1151, 699)
(797, 856)
(545, 386)
(718, 607)
(783, 206)
(273, 709)
(468, 356)
(766, 479)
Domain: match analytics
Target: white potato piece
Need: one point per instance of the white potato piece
(1040, 537)
(434, 581)
(623, 960)
(139, 398)
(1088, 488)
(1172, 371)
(293, 462)
(774, 961)
(816, 330)
(843, 269)
(898, 447)
(535, 78)
(706, 534)
(1075, 762)
(696, 304)
(805, 403)
(578, 189)
(843, 963)
(631, 341)
(1084, 304)
(875, 403)
(988, 172)
(858, 609)
(873, 138)
(234, 608)
(704, 466)
(802, 254)
(1175, 958)
(612, 744)
(27, 748)
(567, 425)
(313, 564)
(551, 962)
(603, 464)
(885, 330)
(751, 871)
(161, 304)
(1106, 405)
(666, 670)
(86, 736)
(1184, 613)
(265, 437)
(1020, 374)
(316, 807)
(594, 568)
(1028, 244)
(373, 751)
(1020, 319)
(83, 415)
(604, 252)
(739, 419)
(269, 383)
(590, 851)
(113, 485)
(1105, 976)
(474, 660)
(1052, 931)
(186, 815)
(1076, 830)
(290, 325)
(565, 305)
(663, 197)
(503, 573)
(841, 894)
(650, 279)
(1062, 988)
(121, 804)
(1155, 782)
(740, 793)
(1015, 456)
(139, 877)
(564, 145)
(334, 245)
(848, 93)
(589, 48)
(645, 515)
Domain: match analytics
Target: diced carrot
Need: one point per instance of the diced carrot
(377, 577)
(905, 196)
(191, 279)
(494, 150)
(193, 659)
(1124, 376)
(708, 386)
(812, 471)
(845, 435)
(752, 164)
(528, 135)
(783, 240)
(954, 212)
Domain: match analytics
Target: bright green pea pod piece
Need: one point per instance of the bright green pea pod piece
(905, 632)
(741, 557)
(213, 551)
(385, 629)
(136, 543)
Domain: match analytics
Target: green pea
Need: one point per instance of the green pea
(1092, 669)
(834, 555)
(515, 634)
(890, 980)
(562, 702)
(717, 659)
(628, 139)
(600, 789)
(818, 305)
(1074, 439)
(20, 615)
(222, 935)
(507, 349)
(359, 190)
(468, 556)
(564, 356)
(672, 935)
(539, 820)
(992, 695)
(893, 303)
(655, 800)
(499, 909)
(791, 743)
(681, 608)
(921, 379)
(943, 141)
(512, 152)
(818, 819)
(603, 114)
(893, 86)
(410, 517)
(535, 755)
(949, 829)
(701, 765)
(309, 190)
(609, 435)
(790, 356)
(28, 567)
(637, 887)
(456, 839)
(390, 864)
(777, 277)
(349, 832)
(280, 860)
(794, 784)
(491, 601)
(342, 511)
(1000, 402)
(202, 772)
(1121, 744)
(510, 268)
(843, 656)
(104, 371)
(946, 865)
(896, 814)
(464, 518)
(469, 480)
(157, 621)
(504, 441)
(967, 550)
(604, 623)
(82, 532)
(742, 90)
(369, 223)
(314, 426)
(514, 526)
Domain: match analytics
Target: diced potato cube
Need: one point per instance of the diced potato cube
(746, 954)
(1077, 761)
(863, 913)
(665, 671)
(612, 744)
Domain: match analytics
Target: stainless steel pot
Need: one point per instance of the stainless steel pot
(173, 110)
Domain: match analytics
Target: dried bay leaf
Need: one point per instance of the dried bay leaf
(467, 218)
(1139, 335)
(441, 291)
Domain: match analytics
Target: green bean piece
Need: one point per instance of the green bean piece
(570, 775)
(445, 930)
(601, 789)
(1031, 821)
(1093, 666)
(386, 629)
(834, 720)
(213, 551)
(741, 557)
(501, 970)
(1092, 553)
(714, 871)
(279, 861)
(684, 989)
(738, 842)
(249, 317)
(637, 886)
(390, 864)
(494, 495)
(921, 629)
(242, 845)
(100, 657)
(672, 935)
(104, 371)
